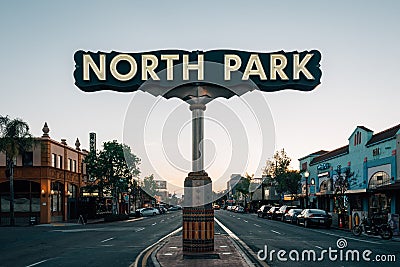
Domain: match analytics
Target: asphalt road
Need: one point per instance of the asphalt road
(105, 244)
(258, 233)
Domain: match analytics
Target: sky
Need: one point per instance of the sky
(359, 42)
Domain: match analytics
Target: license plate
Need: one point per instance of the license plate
(321, 221)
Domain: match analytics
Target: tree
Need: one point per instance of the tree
(243, 187)
(15, 139)
(341, 183)
(149, 185)
(293, 182)
(112, 169)
(278, 174)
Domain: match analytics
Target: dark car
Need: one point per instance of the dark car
(271, 213)
(262, 211)
(291, 215)
(316, 217)
(282, 211)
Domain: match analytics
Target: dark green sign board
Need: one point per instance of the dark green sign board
(126, 72)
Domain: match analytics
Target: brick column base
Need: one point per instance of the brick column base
(198, 218)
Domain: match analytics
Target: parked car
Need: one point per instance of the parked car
(316, 217)
(291, 215)
(282, 211)
(173, 208)
(262, 211)
(161, 209)
(149, 212)
(239, 209)
(271, 213)
(232, 208)
(216, 207)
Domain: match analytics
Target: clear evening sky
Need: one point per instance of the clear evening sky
(359, 42)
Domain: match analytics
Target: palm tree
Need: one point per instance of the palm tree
(15, 139)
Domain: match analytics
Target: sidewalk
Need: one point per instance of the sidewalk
(224, 254)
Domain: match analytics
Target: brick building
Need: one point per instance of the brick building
(47, 182)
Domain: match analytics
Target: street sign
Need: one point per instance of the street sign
(126, 72)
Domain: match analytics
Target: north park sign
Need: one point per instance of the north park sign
(126, 72)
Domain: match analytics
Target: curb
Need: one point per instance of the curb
(248, 255)
(144, 255)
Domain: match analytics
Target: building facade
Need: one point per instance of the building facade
(47, 182)
(371, 162)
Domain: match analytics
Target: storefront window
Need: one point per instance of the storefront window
(56, 196)
(379, 179)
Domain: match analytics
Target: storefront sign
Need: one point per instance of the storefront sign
(323, 166)
(126, 72)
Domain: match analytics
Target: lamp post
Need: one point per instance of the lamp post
(306, 175)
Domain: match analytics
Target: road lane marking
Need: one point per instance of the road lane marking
(154, 223)
(352, 238)
(318, 247)
(245, 221)
(162, 221)
(105, 240)
(140, 229)
(275, 232)
(257, 225)
(237, 241)
(136, 263)
(238, 218)
(37, 263)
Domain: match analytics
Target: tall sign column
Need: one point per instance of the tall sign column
(198, 217)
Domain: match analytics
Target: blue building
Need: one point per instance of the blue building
(372, 164)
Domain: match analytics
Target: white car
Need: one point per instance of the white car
(149, 212)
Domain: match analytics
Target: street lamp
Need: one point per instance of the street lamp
(306, 175)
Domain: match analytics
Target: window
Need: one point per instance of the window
(304, 166)
(74, 166)
(54, 160)
(56, 197)
(60, 165)
(69, 165)
(378, 179)
(357, 138)
(376, 151)
(27, 159)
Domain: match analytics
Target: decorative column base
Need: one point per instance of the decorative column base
(198, 218)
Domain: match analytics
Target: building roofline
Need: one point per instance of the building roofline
(331, 154)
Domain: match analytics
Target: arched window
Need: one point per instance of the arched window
(324, 186)
(378, 179)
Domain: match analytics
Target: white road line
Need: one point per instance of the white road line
(235, 238)
(140, 229)
(346, 237)
(136, 263)
(245, 221)
(105, 240)
(162, 221)
(238, 218)
(154, 223)
(275, 232)
(257, 225)
(37, 263)
(318, 247)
